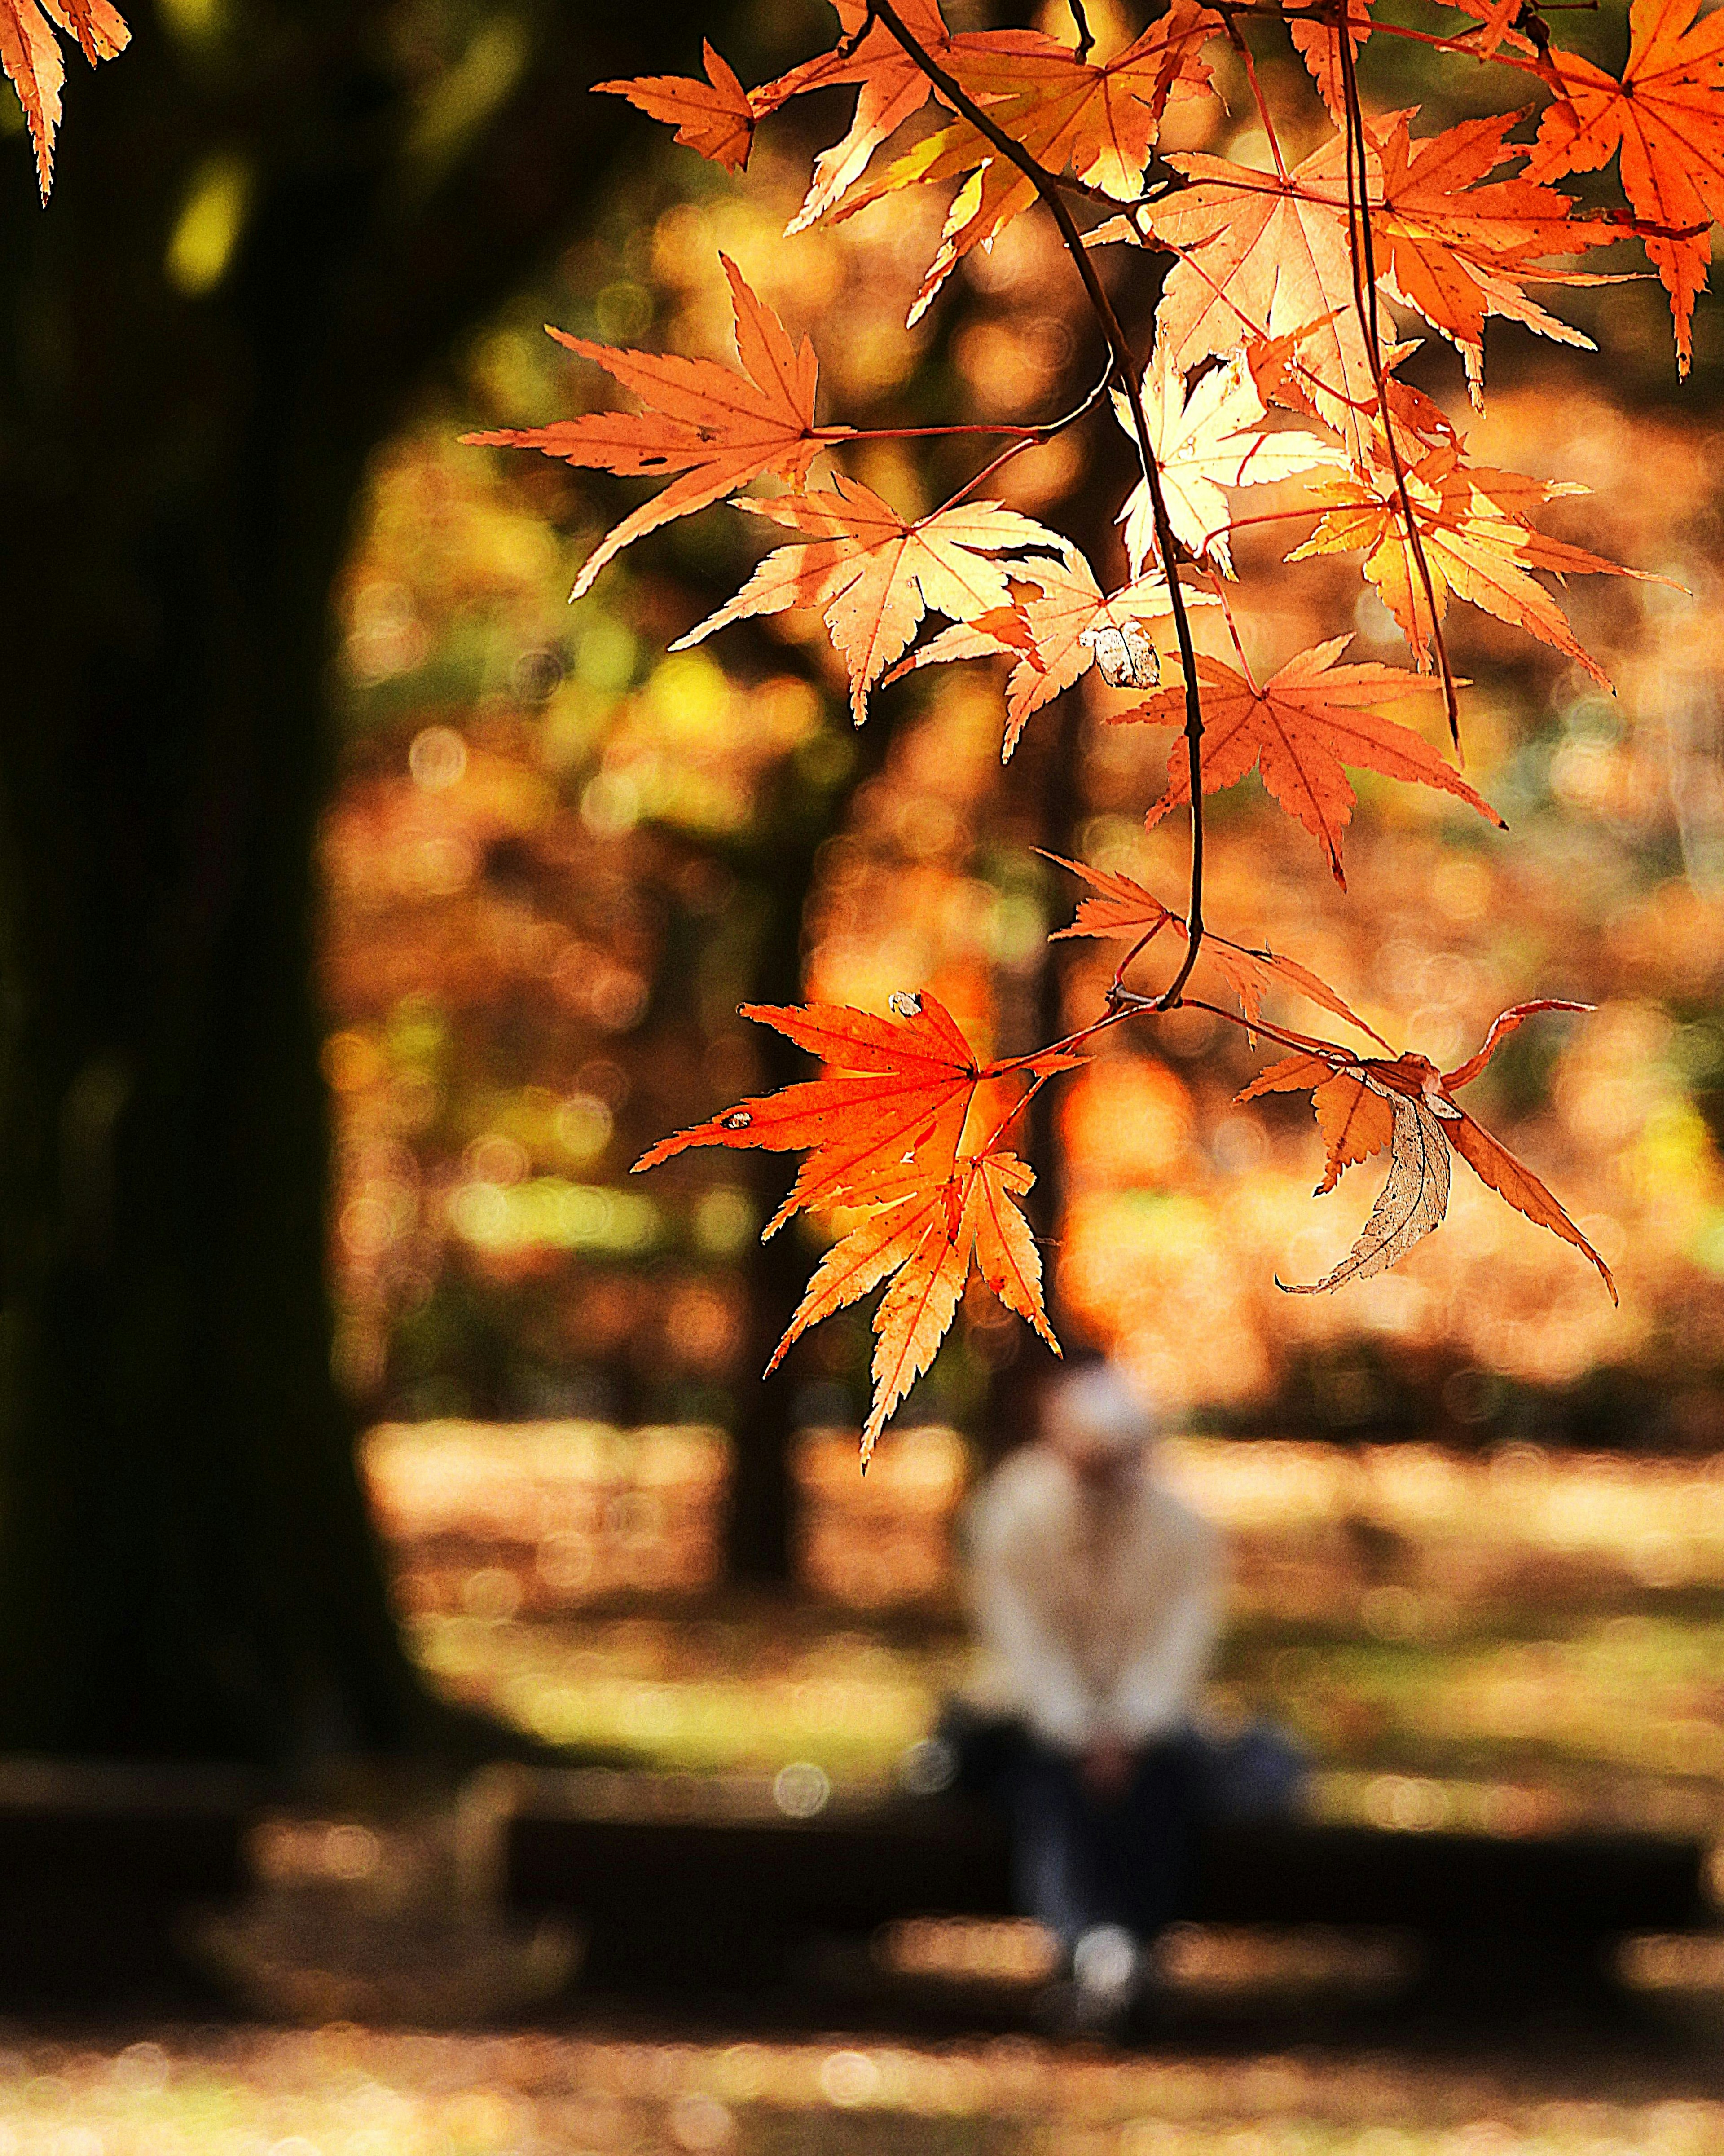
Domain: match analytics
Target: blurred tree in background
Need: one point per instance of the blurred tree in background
(271, 221)
(283, 268)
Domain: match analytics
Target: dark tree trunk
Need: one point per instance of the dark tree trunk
(761, 1526)
(186, 1564)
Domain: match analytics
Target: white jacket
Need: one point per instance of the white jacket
(1098, 1611)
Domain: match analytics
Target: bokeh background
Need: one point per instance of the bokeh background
(369, 910)
(1477, 1509)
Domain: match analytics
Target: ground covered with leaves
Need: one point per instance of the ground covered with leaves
(1511, 1643)
(343, 2091)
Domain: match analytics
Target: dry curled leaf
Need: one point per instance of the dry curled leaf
(1364, 1102)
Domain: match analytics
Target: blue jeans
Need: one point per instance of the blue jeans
(1079, 1860)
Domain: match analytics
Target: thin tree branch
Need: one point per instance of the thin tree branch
(1126, 369)
(1362, 255)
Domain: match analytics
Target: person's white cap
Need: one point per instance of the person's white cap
(1098, 1405)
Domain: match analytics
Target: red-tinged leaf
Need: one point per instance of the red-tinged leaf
(31, 58)
(861, 1260)
(1123, 908)
(1495, 1165)
(1006, 1253)
(1294, 1074)
(720, 428)
(1459, 245)
(873, 575)
(1300, 730)
(1355, 1121)
(897, 1087)
(1419, 1098)
(1665, 118)
(714, 117)
(1501, 1027)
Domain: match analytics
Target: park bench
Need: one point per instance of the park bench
(99, 1862)
(669, 1871)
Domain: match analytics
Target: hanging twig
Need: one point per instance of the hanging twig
(1084, 40)
(1362, 255)
(1125, 370)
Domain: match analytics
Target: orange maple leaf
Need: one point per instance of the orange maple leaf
(1318, 45)
(1457, 245)
(873, 575)
(883, 1128)
(891, 87)
(1299, 730)
(719, 428)
(900, 1090)
(1477, 543)
(1363, 1103)
(1057, 626)
(30, 55)
(924, 1242)
(1099, 121)
(1261, 255)
(1665, 118)
(1266, 255)
(1122, 906)
(714, 117)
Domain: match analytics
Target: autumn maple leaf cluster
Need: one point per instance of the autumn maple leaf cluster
(1288, 297)
(30, 54)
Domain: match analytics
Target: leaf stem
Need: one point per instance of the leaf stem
(1044, 430)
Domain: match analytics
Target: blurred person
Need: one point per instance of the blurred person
(1098, 1598)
